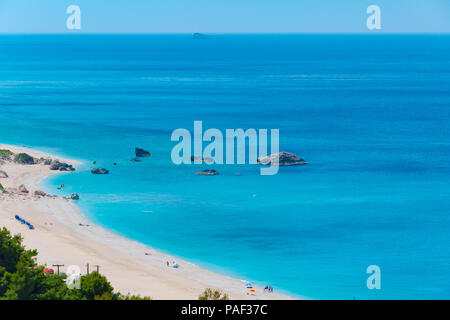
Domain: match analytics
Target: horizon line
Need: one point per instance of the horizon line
(225, 33)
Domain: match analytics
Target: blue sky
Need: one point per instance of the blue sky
(224, 16)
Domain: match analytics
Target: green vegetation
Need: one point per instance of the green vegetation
(2, 190)
(5, 154)
(24, 158)
(210, 294)
(22, 279)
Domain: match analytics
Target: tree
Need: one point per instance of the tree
(22, 279)
(94, 286)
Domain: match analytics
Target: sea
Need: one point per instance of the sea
(369, 113)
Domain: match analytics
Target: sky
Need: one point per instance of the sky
(224, 16)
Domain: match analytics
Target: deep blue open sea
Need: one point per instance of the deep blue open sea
(371, 115)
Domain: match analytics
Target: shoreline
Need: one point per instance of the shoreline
(130, 266)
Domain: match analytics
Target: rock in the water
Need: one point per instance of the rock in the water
(100, 171)
(284, 159)
(208, 173)
(23, 189)
(201, 159)
(3, 174)
(61, 166)
(142, 153)
(40, 193)
(74, 196)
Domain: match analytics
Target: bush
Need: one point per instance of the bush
(210, 294)
(5, 154)
(2, 189)
(24, 158)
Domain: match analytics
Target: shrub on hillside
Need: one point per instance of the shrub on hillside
(5, 154)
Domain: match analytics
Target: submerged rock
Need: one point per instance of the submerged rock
(23, 189)
(99, 171)
(284, 159)
(201, 159)
(208, 173)
(142, 153)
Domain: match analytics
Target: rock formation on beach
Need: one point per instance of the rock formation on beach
(208, 173)
(284, 159)
(24, 158)
(44, 161)
(99, 171)
(40, 193)
(142, 153)
(61, 166)
(23, 189)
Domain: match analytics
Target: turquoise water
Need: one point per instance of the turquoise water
(369, 113)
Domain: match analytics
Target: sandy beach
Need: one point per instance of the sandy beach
(131, 267)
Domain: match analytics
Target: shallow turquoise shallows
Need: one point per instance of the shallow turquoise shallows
(370, 114)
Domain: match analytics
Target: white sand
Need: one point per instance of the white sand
(60, 240)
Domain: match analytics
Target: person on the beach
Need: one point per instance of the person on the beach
(167, 262)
